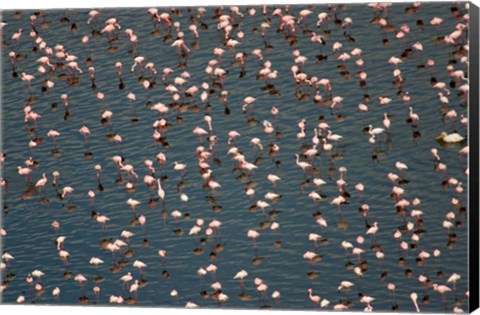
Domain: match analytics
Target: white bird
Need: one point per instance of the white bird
(257, 142)
(314, 298)
(272, 196)
(386, 121)
(308, 255)
(41, 182)
(139, 264)
(133, 203)
(56, 292)
(345, 285)
(315, 196)
(37, 273)
(333, 137)
(366, 299)
(262, 204)
(273, 178)
(302, 164)
(449, 138)
(375, 131)
(161, 192)
(127, 278)
(134, 287)
(184, 197)
(7, 256)
(373, 230)
(179, 166)
(401, 166)
(454, 278)
(322, 222)
(191, 305)
(319, 182)
(324, 303)
(59, 241)
(95, 261)
(414, 297)
(194, 230)
(241, 274)
(275, 294)
(176, 214)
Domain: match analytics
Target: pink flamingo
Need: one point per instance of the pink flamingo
(140, 265)
(241, 275)
(81, 280)
(314, 298)
(28, 78)
(25, 171)
(126, 279)
(41, 182)
(101, 219)
(373, 231)
(85, 132)
(16, 36)
(53, 134)
(253, 235)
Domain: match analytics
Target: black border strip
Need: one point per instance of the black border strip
(473, 157)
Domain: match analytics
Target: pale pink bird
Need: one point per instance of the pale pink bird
(140, 265)
(253, 235)
(314, 298)
(363, 108)
(232, 135)
(67, 191)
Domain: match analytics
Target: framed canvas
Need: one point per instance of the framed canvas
(240, 157)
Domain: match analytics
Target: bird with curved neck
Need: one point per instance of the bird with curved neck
(449, 137)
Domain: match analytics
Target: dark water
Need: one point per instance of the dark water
(277, 257)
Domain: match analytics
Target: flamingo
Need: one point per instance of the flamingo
(133, 204)
(373, 231)
(375, 131)
(81, 280)
(412, 117)
(134, 287)
(302, 164)
(25, 171)
(56, 292)
(85, 132)
(414, 297)
(401, 166)
(127, 234)
(200, 132)
(16, 36)
(241, 275)
(232, 135)
(253, 235)
(247, 101)
(179, 167)
(261, 287)
(67, 191)
(161, 192)
(53, 134)
(28, 78)
(190, 305)
(101, 219)
(126, 278)
(41, 182)
(453, 279)
(345, 286)
(140, 265)
(95, 261)
(314, 298)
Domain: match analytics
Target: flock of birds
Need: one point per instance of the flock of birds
(317, 142)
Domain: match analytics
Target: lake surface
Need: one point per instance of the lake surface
(276, 256)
